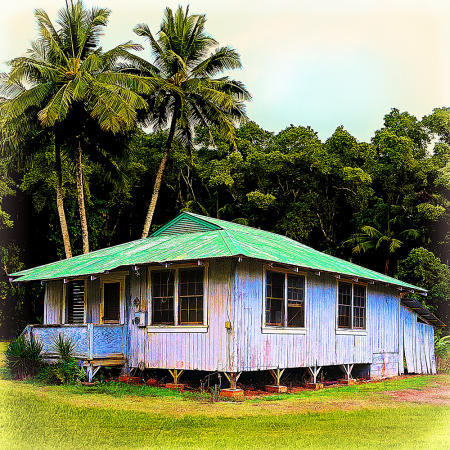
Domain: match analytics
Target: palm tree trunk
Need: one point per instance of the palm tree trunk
(159, 175)
(81, 206)
(386, 266)
(60, 202)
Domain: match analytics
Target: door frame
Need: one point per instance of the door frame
(113, 278)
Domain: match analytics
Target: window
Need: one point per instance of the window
(162, 297)
(190, 295)
(285, 300)
(75, 301)
(111, 302)
(351, 306)
(177, 296)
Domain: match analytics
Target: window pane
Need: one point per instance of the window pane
(344, 305)
(274, 298)
(296, 301)
(162, 297)
(359, 306)
(75, 301)
(190, 293)
(111, 304)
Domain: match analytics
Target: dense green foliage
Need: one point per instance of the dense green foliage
(384, 204)
(321, 193)
(23, 357)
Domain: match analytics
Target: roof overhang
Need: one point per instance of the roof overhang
(423, 312)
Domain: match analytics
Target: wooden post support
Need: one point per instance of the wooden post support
(277, 374)
(314, 371)
(90, 330)
(233, 377)
(347, 369)
(90, 373)
(176, 375)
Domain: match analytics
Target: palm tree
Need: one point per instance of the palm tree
(66, 78)
(186, 61)
(385, 240)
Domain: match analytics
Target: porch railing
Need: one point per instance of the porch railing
(92, 341)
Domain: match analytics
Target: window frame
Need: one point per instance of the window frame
(65, 304)
(112, 278)
(352, 330)
(283, 329)
(176, 327)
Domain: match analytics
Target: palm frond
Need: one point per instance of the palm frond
(371, 231)
(224, 58)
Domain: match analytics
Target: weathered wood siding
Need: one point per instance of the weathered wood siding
(210, 351)
(418, 344)
(53, 303)
(321, 345)
(235, 294)
(93, 297)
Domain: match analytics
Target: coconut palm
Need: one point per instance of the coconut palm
(66, 78)
(385, 240)
(187, 62)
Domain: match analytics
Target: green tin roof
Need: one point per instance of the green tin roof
(193, 237)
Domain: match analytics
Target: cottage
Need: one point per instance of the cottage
(206, 294)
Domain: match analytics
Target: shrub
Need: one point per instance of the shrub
(64, 347)
(23, 357)
(67, 369)
(442, 352)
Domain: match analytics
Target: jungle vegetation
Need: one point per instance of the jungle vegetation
(100, 147)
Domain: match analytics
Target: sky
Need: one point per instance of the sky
(322, 63)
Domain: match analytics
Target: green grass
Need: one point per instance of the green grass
(33, 415)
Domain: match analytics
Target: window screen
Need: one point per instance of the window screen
(162, 297)
(190, 296)
(274, 298)
(111, 302)
(359, 307)
(344, 305)
(296, 301)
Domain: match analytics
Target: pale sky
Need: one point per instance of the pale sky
(322, 63)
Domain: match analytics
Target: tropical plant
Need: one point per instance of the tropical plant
(23, 357)
(186, 60)
(66, 370)
(384, 239)
(64, 81)
(442, 352)
(64, 347)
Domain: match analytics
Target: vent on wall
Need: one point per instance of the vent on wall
(185, 224)
(75, 305)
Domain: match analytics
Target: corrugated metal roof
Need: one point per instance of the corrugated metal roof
(423, 312)
(190, 237)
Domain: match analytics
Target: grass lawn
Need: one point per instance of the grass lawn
(363, 416)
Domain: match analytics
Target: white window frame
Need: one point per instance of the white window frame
(270, 329)
(351, 330)
(176, 328)
(113, 278)
(64, 306)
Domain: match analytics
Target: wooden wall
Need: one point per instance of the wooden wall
(53, 303)
(235, 294)
(194, 351)
(418, 344)
(320, 346)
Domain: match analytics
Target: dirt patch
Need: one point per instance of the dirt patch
(439, 395)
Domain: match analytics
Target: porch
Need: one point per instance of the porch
(96, 345)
